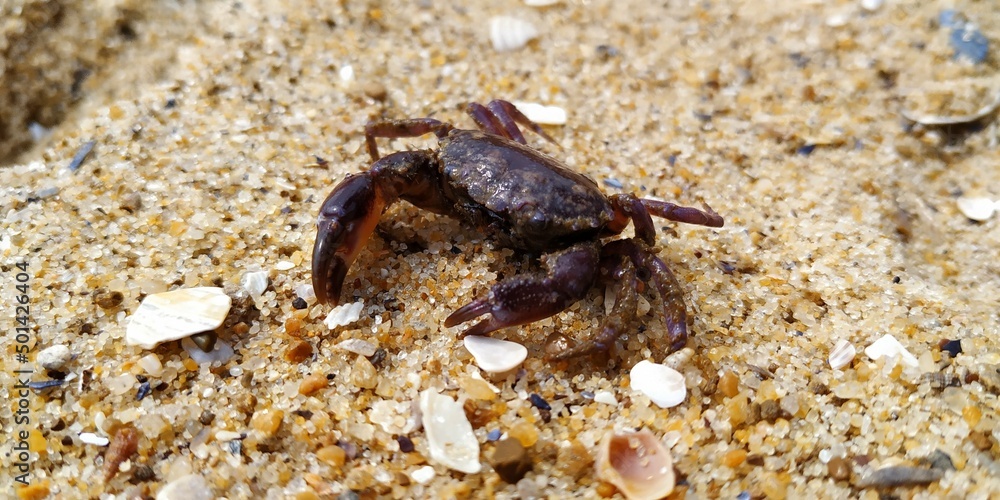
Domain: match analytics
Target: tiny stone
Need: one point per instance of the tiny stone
(54, 357)
(131, 202)
(539, 403)
(510, 460)
(375, 90)
(189, 487)
(952, 347)
(267, 422)
(423, 475)
(299, 351)
(357, 346)
(312, 384)
(364, 374)
(333, 455)
(769, 410)
(206, 418)
(938, 460)
(151, 364)
(205, 340)
(300, 303)
(981, 440)
(901, 475)
(493, 435)
(108, 300)
(142, 473)
(838, 469)
(606, 397)
(405, 444)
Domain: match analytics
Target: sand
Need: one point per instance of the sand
(219, 127)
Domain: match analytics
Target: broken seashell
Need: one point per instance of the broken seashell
(977, 209)
(357, 346)
(888, 346)
(255, 282)
(510, 33)
(449, 433)
(495, 355)
(842, 354)
(541, 114)
(344, 314)
(662, 384)
(637, 464)
(177, 314)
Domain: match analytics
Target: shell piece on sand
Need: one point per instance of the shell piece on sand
(888, 346)
(662, 384)
(977, 209)
(637, 464)
(510, 33)
(177, 314)
(449, 433)
(495, 355)
(542, 114)
(344, 314)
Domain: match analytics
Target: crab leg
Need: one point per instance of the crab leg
(350, 213)
(500, 117)
(524, 299)
(689, 215)
(411, 127)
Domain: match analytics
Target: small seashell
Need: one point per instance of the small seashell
(221, 352)
(54, 357)
(637, 464)
(662, 384)
(94, 439)
(255, 283)
(344, 314)
(423, 475)
(357, 346)
(888, 346)
(449, 433)
(606, 397)
(541, 114)
(284, 265)
(977, 209)
(842, 354)
(495, 355)
(510, 33)
(176, 314)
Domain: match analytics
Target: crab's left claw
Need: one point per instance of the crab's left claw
(346, 221)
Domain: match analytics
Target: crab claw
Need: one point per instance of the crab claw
(346, 221)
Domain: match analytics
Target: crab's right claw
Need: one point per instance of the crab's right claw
(346, 221)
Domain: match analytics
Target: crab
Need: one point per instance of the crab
(524, 199)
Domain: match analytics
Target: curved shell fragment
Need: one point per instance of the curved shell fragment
(495, 355)
(662, 384)
(637, 464)
(510, 33)
(177, 314)
(449, 433)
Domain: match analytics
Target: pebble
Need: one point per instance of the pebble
(838, 468)
(842, 354)
(423, 475)
(151, 364)
(94, 439)
(510, 460)
(54, 357)
(872, 5)
(493, 435)
(255, 283)
(108, 300)
(357, 346)
(899, 475)
(450, 439)
(542, 114)
(189, 487)
(663, 385)
(173, 315)
(606, 397)
(510, 33)
(222, 352)
(227, 436)
(952, 347)
(889, 347)
(344, 314)
(495, 355)
(539, 402)
(977, 209)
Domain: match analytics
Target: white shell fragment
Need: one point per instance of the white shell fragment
(871, 5)
(495, 355)
(94, 439)
(606, 397)
(54, 357)
(423, 475)
(284, 265)
(977, 209)
(842, 354)
(637, 464)
(221, 352)
(663, 385)
(255, 282)
(889, 347)
(449, 433)
(954, 119)
(510, 33)
(357, 346)
(540, 3)
(542, 114)
(177, 314)
(344, 314)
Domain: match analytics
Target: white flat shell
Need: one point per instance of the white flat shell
(255, 282)
(357, 346)
(842, 354)
(449, 433)
(510, 33)
(977, 209)
(176, 314)
(495, 355)
(542, 114)
(344, 314)
(662, 384)
(91, 438)
(888, 346)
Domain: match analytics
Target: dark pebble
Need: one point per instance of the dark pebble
(299, 303)
(131, 203)
(142, 473)
(938, 460)
(206, 418)
(405, 444)
(901, 475)
(770, 410)
(806, 150)
(378, 358)
(144, 390)
(539, 403)
(350, 449)
(41, 385)
(235, 447)
(510, 460)
(981, 440)
(205, 340)
(952, 347)
(81, 155)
